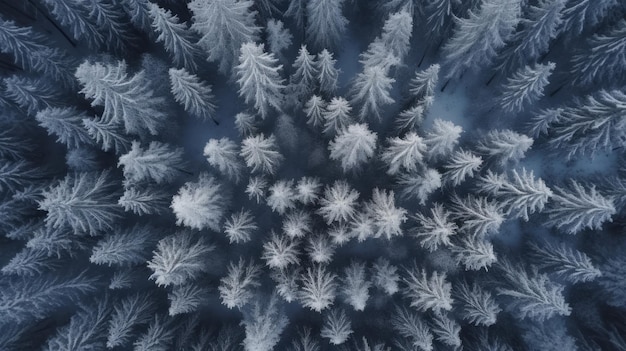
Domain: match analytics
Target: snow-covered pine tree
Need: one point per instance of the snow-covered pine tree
(396, 35)
(479, 306)
(112, 22)
(297, 12)
(419, 185)
(604, 60)
(355, 286)
(179, 258)
(337, 116)
(540, 25)
(280, 251)
(474, 253)
(236, 288)
(200, 204)
(75, 16)
(158, 336)
(110, 135)
(371, 91)
(223, 154)
(159, 162)
(338, 203)
(240, 226)
(404, 153)
(145, 200)
(441, 139)
(256, 188)
(434, 230)
(193, 94)
(125, 99)
(353, 146)
(446, 330)
(224, 26)
(533, 294)
(328, 73)
(503, 146)
(259, 78)
(139, 13)
(578, 208)
(263, 322)
(176, 38)
(303, 80)
(462, 164)
(427, 292)
(477, 38)
(129, 313)
(325, 23)
(424, 82)
(409, 119)
(278, 37)
(66, 124)
(525, 87)
(261, 153)
(32, 94)
(125, 247)
(297, 223)
(30, 53)
(479, 216)
(563, 260)
(281, 196)
(412, 327)
(308, 190)
(320, 249)
(439, 14)
(318, 288)
(386, 217)
(86, 202)
(186, 299)
(385, 276)
(337, 327)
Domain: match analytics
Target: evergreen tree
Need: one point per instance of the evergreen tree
(239, 227)
(74, 15)
(604, 60)
(223, 154)
(224, 26)
(540, 25)
(328, 73)
(110, 135)
(159, 162)
(236, 287)
(179, 258)
(280, 251)
(462, 164)
(111, 21)
(505, 145)
(337, 327)
(318, 288)
(439, 16)
(29, 51)
(479, 305)
(446, 330)
(338, 203)
(193, 94)
(353, 146)
(176, 38)
(474, 253)
(479, 217)
(200, 204)
(337, 116)
(297, 12)
(435, 230)
(564, 261)
(259, 78)
(278, 37)
(158, 337)
(304, 78)
(186, 299)
(396, 35)
(66, 124)
(477, 38)
(387, 218)
(412, 327)
(264, 322)
(579, 208)
(354, 286)
(86, 202)
(127, 247)
(385, 276)
(427, 292)
(325, 23)
(404, 153)
(281, 197)
(315, 108)
(525, 87)
(424, 82)
(139, 13)
(441, 139)
(32, 94)
(419, 185)
(125, 99)
(129, 313)
(261, 153)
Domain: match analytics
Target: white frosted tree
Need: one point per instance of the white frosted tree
(427, 292)
(328, 73)
(404, 153)
(419, 185)
(74, 16)
(410, 118)
(541, 23)
(411, 326)
(129, 313)
(175, 37)
(224, 26)
(200, 204)
(179, 258)
(378, 55)
(159, 336)
(263, 322)
(476, 39)
(385, 276)
(261, 153)
(278, 37)
(315, 108)
(280, 251)
(126, 247)
(127, 99)
(308, 190)
(246, 124)
(446, 330)
(462, 164)
(320, 249)
(504, 146)
(338, 203)
(371, 91)
(318, 288)
(145, 200)
(479, 306)
(434, 230)
(281, 196)
(259, 78)
(186, 299)
(337, 116)
(604, 59)
(441, 139)
(396, 35)
(337, 327)
(86, 202)
(479, 216)
(303, 80)
(32, 94)
(223, 154)
(387, 218)
(525, 87)
(67, 124)
(286, 282)
(236, 288)
(111, 136)
(474, 253)
(533, 295)
(193, 94)
(159, 162)
(256, 189)
(354, 287)
(239, 227)
(297, 223)
(325, 23)
(577, 208)
(566, 262)
(424, 82)
(353, 146)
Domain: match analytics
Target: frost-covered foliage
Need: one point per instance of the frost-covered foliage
(204, 162)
